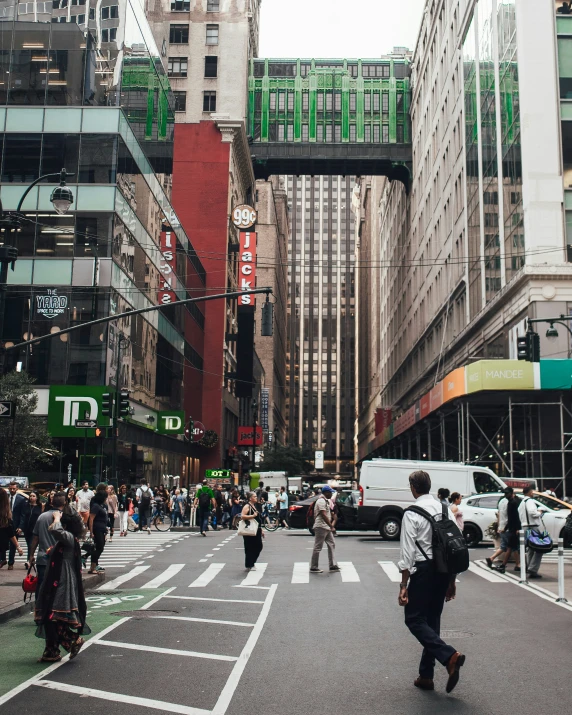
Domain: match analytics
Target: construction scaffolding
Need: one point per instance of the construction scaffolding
(516, 434)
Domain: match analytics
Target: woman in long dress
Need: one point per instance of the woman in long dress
(252, 544)
(60, 609)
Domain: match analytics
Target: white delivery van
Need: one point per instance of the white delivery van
(385, 493)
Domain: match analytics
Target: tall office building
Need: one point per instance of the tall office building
(321, 342)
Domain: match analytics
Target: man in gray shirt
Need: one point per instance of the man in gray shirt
(43, 538)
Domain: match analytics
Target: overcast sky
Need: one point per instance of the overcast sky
(337, 28)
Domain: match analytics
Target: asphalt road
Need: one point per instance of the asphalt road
(283, 641)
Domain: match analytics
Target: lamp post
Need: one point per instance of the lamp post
(552, 332)
(254, 405)
(61, 198)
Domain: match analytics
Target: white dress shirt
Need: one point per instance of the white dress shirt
(415, 527)
(529, 514)
(503, 513)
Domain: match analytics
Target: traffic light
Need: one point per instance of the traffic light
(528, 347)
(267, 327)
(107, 404)
(123, 404)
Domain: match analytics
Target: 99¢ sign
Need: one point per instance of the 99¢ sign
(244, 216)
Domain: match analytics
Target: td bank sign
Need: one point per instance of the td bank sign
(69, 403)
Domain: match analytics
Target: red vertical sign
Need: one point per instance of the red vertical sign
(167, 266)
(247, 266)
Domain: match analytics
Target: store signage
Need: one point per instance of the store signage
(51, 304)
(218, 474)
(247, 266)
(244, 216)
(500, 375)
(245, 436)
(198, 431)
(264, 401)
(319, 459)
(69, 403)
(167, 266)
(172, 422)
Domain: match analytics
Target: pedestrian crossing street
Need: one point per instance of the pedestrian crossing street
(266, 574)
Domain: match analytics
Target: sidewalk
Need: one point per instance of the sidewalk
(12, 597)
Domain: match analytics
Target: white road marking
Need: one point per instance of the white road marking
(391, 571)
(349, 573)
(120, 698)
(202, 561)
(165, 576)
(206, 620)
(217, 549)
(111, 585)
(207, 576)
(301, 572)
(487, 575)
(167, 651)
(206, 598)
(232, 683)
(253, 577)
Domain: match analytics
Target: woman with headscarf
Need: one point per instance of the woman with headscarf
(60, 609)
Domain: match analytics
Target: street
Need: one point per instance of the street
(281, 640)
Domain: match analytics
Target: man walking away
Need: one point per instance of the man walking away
(144, 495)
(282, 500)
(531, 518)
(205, 502)
(84, 497)
(502, 520)
(261, 493)
(17, 504)
(423, 590)
(511, 532)
(177, 508)
(219, 502)
(324, 531)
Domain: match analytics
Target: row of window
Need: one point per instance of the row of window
(178, 66)
(289, 69)
(329, 133)
(60, 4)
(179, 35)
(332, 101)
(209, 101)
(185, 5)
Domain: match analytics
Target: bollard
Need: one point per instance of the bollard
(193, 517)
(561, 598)
(523, 578)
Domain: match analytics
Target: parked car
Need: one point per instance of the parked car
(346, 500)
(479, 512)
(385, 491)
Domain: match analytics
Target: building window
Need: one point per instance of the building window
(179, 34)
(290, 132)
(180, 5)
(180, 101)
(320, 132)
(329, 134)
(177, 67)
(367, 133)
(213, 5)
(212, 35)
(304, 69)
(385, 102)
(305, 135)
(91, 12)
(353, 70)
(376, 133)
(399, 101)
(272, 101)
(281, 101)
(211, 66)
(385, 133)
(209, 101)
(280, 132)
(367, 102)
(290, 101)
(352, 132)
(353, 102)
(329, 101)
(400, 134)
(113, 34)
(376, 101)
(320, 106)
(337, 133)
(81, 19)
(305, 102)
(338, 102)
(111, 11)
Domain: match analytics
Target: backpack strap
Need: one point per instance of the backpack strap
(421, 512)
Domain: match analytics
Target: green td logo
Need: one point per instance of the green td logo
(171, 422)
(69, 403)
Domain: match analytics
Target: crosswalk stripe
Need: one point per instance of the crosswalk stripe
(301, 572)
(165, 576)
(349, 573)
(487, 575)
(253, 577)
(207, 576)
(111, 585)
(391, 571)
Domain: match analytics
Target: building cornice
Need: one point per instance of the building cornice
(233, 132)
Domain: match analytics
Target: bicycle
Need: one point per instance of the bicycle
(270, 520)
(160, 519)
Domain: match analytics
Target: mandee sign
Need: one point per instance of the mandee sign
(68, 403)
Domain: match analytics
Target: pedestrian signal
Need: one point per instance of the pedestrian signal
(99, 432)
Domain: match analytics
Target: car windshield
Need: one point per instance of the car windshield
(549, 502)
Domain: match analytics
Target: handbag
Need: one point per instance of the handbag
(88, 546)
(536, 540)
(248, 527)
(29, 583)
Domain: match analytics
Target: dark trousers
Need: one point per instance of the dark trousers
(41, 573)
(143, 518)
(11, 554)
(203, 519)
(427, 590)
(99, 541)
(29, 538)
(252, 548)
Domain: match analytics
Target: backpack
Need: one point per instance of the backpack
(204, 500)
(310, 515)
(450, 551)
(145, 500)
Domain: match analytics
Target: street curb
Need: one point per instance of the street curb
(21, 609)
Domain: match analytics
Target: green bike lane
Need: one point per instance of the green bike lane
(21, 649)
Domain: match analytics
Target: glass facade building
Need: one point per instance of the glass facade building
(89, 93)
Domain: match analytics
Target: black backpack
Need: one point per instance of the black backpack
(204, 500)
(145, 500)
(450, 551)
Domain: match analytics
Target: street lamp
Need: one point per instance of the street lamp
(552, 332)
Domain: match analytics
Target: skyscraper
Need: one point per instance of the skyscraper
(321, 345)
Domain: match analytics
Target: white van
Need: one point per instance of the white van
(385, 493)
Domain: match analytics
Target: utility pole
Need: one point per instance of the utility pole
(254, 405)
(117, 408)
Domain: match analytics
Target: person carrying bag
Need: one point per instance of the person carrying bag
(537, 539)
(250, 528)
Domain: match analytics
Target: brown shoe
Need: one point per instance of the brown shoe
(456, 662)
(424, 683)
(10, 567)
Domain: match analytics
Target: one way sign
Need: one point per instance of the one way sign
(7, 410)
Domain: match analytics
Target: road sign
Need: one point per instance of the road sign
(86, 424)
(7, 410)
